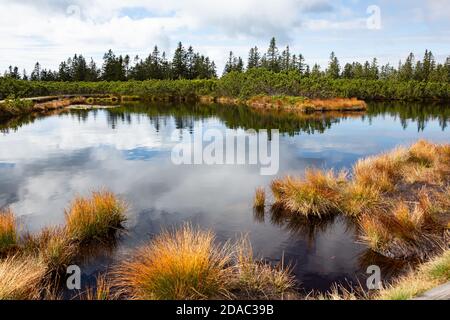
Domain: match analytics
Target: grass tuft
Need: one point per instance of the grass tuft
(8, 231)
(96, 218)
(260, 199)
(415, 283)
(179, 265)
(186, 264)
(315, 195)
(20, 278)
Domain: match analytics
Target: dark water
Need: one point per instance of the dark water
(46, 161)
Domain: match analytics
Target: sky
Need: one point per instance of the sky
(49, 31)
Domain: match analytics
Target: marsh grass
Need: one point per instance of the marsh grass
(101, 292)
(177, 265)
(8, 231)
(303, 104)
(97, 218)
(54, 247)
(417, 282)
(259, 201)
(316, 195)
(399, 199)
(34, 269)
(358, 199)
(186, 264)
(256, 279)
(20, 278)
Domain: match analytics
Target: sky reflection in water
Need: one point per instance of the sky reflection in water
(45, 163)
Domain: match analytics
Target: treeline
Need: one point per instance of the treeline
(185, 64)
(256, 81)
(188, 64)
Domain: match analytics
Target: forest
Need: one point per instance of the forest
(273, 72)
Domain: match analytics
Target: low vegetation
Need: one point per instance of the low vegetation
(187, 264)
(417, 282)
(34, 268)
(8, 231)
(95, 218)
(21, 278)
(260, 199)
(317, 194)
(245, 85)
(399, 200)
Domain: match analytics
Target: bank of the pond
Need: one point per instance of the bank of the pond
(182, 264)
(400, 200)
(18, 106)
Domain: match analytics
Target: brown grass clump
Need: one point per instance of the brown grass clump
(186, 265)
(179, 265)
(404, 230)
(54, 247)
(317, 194)
(400, 199)
(260, 199)
(380, 172)
(101, 292)
(20, 278)
(302, 104)
(8, 231)
(95, 218)
(358, 199)
(258, 280)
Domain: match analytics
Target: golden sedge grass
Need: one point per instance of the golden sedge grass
(20, 278)
(186, 264)
(8, 230)
(95, 218)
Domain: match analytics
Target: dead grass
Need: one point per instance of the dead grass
(258, 280)
(20, 278)
(8, 231)
(186, 264)
(178, 265)
(400, 199)
(54, 247)
(101, 292)
(316, 195)
(96, 218)
(260, 199)
(302, 104)
(426, 277)
(358, 199)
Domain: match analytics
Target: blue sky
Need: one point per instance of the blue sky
(51, 30)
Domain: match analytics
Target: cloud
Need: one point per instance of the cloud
(50, 31)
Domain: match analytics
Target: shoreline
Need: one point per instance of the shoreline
(16, 107)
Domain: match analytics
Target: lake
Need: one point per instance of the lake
(45, 161)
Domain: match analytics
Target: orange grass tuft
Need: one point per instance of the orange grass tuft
(95, 218)
(8, 230)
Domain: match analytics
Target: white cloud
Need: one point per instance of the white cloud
(50, 31)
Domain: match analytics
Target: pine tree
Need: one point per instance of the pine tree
(406, 71)
(286, 60)
(374, 71)
(179, 63)
(315, 72)
(254, 58)
(334, 68)
(273, 61)
(36, 74)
